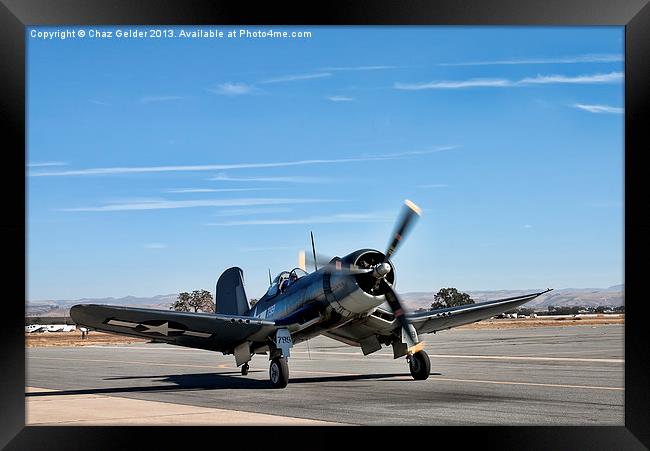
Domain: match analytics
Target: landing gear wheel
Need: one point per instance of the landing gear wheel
(244, 369)
(419, 365)
(279, 372)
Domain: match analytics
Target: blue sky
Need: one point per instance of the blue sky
(155, 164)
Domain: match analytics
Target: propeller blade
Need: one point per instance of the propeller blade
(395, 304)
(301, 261)
(323, 261)
(409, 214)
(320, 260)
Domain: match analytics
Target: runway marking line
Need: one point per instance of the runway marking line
(223, 366)
(443, 356)
(189, 365)
(485, 357)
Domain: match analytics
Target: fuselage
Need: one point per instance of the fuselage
(325, 299)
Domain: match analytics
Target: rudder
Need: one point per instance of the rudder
(230, 296)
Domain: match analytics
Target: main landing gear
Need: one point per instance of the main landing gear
(420, 365)
(279, 372)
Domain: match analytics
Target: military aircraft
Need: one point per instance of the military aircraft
(350, 299)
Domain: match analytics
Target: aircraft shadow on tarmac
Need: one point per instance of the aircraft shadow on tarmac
(213, 381)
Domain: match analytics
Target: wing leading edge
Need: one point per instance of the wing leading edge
(196, 330)
(382, 323)
(435, 320)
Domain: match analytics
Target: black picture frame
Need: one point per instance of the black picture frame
(15, 15)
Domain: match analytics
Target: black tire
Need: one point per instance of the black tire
(279, 372)
(420, 366)
(244, 369)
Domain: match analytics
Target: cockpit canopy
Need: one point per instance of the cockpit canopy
(284, 279)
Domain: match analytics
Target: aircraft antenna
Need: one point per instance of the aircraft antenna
(270, 281)
(313, 249)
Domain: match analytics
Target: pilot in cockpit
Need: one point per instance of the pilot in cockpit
(285, 283)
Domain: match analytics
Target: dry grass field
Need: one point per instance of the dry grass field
(74, 339)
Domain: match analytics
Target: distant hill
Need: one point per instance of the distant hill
(588, 297)
(62, 307)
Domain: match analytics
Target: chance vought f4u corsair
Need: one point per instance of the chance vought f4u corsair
(350, 299)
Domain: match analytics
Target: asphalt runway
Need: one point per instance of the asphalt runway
(572, 375)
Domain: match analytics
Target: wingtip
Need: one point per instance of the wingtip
(76, 312)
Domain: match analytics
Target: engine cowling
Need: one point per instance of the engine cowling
(370, 258)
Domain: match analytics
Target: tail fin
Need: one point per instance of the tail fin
(230, 296)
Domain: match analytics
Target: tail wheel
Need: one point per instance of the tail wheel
(279, 372)
(420, 365)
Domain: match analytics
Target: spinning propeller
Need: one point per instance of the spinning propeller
(379, 271)
(405, 223)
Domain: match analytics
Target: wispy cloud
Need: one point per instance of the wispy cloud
(611, 77)
(356, 68)
(151, 99)
(409, 153)
(434, 185)
(599, 108)
(169, 204)
(133, 200)
(341, 99)
(46, 164)
(331, 219)
(99, 102)
(528, 226)
(297, 77)
(473, 83)
(220, 167)
(233, 89)
(603, 58)
(580, 79)
(284, 179)
(211, 190)
(154, 246)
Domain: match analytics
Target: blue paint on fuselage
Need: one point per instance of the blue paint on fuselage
(307, 289)
(308, 293)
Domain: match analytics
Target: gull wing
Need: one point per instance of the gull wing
(366, 331)
(439, 319)
(195, 330)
